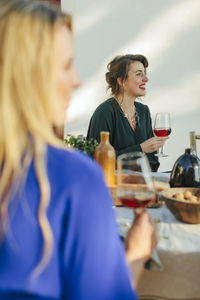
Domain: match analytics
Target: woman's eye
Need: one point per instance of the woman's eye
(68, 64)
(140, 74)
(67, 67)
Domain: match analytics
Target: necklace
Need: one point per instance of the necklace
(131, 119)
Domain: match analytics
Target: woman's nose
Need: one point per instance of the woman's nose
(145, 78)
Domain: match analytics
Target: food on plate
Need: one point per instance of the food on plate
(186, 195)
(178, 196)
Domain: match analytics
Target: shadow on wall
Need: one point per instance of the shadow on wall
(167, 33)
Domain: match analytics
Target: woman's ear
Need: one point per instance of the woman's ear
(119, 81)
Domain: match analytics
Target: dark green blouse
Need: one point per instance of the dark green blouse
(109, 117)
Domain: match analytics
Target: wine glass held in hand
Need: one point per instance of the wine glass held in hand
(162, 128)
(135, 188)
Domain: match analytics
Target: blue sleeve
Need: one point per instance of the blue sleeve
(95, 267)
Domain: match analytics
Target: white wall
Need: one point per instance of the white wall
(167, 32)
(68, 5)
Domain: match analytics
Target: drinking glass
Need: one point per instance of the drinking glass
(135, 188)
(162, 127)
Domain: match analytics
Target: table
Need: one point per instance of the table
(179, 253)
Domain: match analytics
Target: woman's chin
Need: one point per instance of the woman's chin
(142, 94)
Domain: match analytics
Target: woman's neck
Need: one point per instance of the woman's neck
(126, 102)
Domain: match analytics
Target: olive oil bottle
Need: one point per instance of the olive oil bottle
(105, 155)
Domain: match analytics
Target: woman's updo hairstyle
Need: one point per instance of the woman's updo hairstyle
(119, 67)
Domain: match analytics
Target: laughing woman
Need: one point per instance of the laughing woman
(128, 121)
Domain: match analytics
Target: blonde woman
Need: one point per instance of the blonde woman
(58, 234)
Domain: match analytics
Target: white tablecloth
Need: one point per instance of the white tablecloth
(179, 253)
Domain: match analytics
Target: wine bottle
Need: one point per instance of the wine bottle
(105, 155)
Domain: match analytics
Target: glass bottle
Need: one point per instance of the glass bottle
(186, 170)
(105, 155)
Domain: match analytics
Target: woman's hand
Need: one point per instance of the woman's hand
(141, 239)
(153, 144)
(140, 243)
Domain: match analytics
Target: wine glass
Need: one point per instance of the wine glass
(135, 188)
(162, 127)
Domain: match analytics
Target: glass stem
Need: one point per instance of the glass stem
(161, 150)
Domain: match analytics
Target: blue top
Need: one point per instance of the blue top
(88, 260)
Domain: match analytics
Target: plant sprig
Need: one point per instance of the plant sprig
(82, 144)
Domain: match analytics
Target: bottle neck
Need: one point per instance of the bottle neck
(104, 137)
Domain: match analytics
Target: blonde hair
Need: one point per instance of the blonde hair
(26, 90)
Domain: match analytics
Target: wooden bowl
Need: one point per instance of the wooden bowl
(184, 210)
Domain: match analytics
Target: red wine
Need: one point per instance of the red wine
(162, 132)
(137, 200)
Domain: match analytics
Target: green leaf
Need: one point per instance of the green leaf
(84, 145)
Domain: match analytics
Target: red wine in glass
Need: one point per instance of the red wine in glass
(137, 199)
(162, 132)
(162, 128)
(135, 188)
